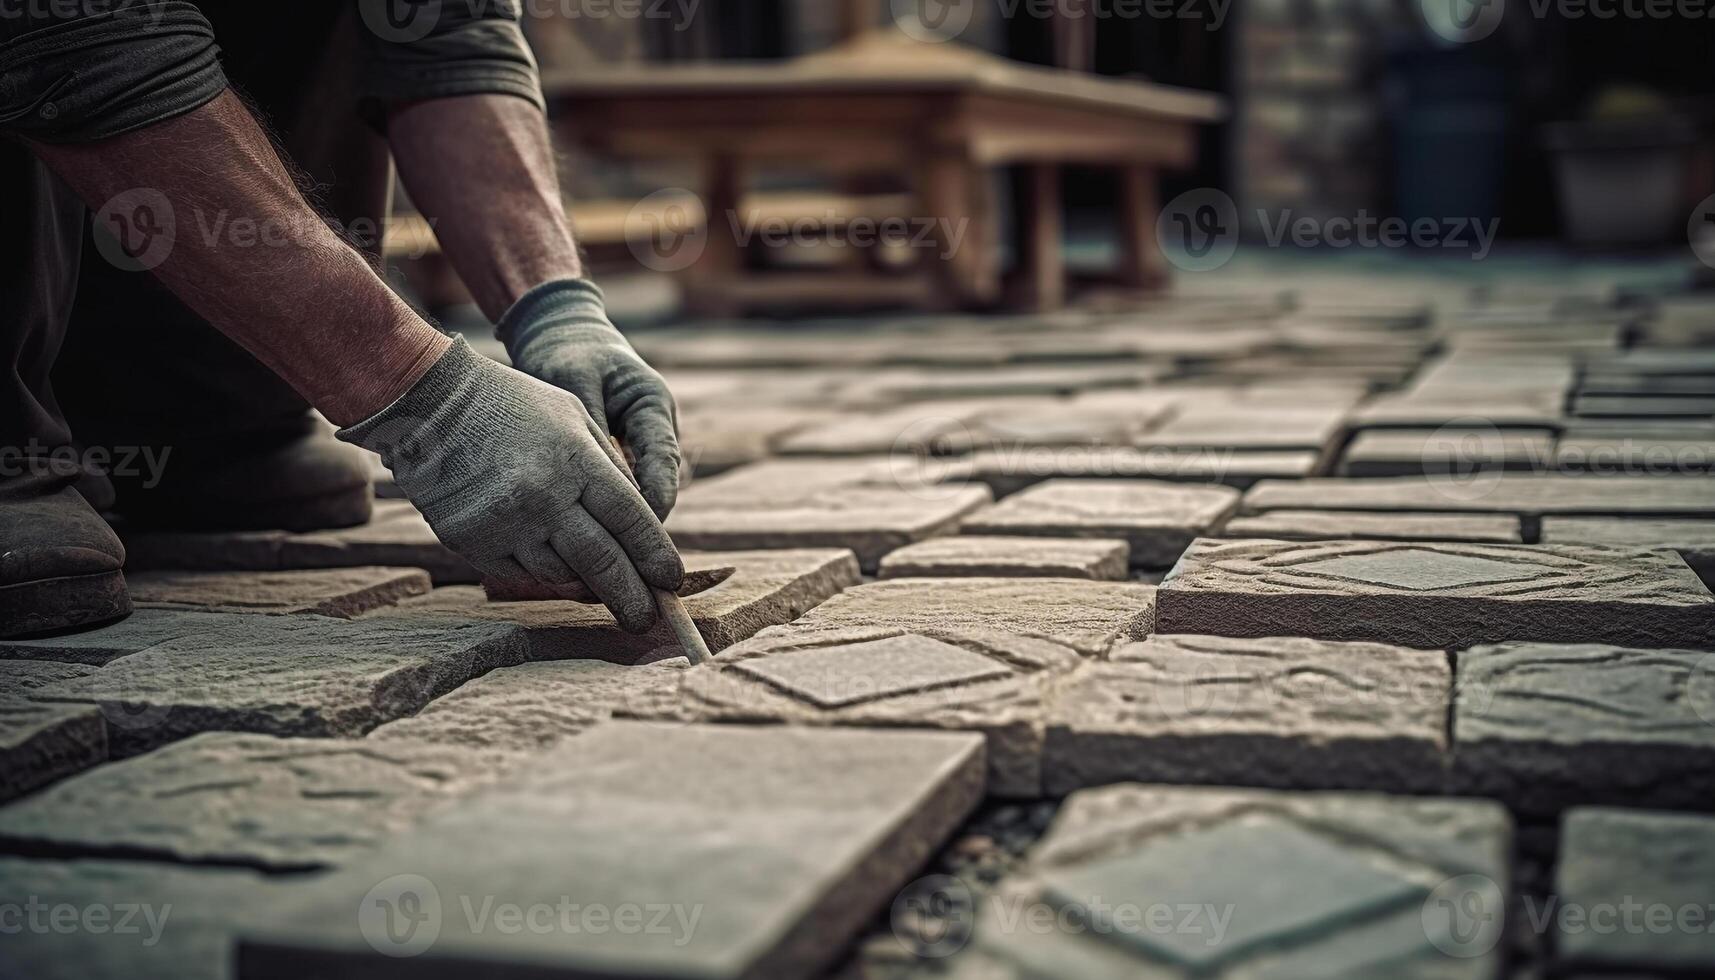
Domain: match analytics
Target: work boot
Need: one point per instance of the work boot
(59, 561)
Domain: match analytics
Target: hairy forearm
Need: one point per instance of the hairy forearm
(255, 260)
(491, 192)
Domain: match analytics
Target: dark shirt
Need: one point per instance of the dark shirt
(74, 71)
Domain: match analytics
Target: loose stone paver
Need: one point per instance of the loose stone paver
(156, 921)
(1086, 616)
(1517, 493)
(768, 588)
(1423, 594)
(1332, 525)
(992, 683)
(1158, 519)
(1693, 539)
(1648, 880)
(1271, 427)
(282, 675)
(338, 592)
(1171, 882)
(1007, 471)
(1405, 452)
(757, 852)
(1546, 726)
(40, 742)
(998, 556)
(1281, 712)
(246, 800)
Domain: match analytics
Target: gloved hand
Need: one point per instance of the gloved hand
(559, 332)
(515, 476)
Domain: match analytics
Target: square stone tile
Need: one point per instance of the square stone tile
(1011, 469)
(1644, 882)
(1409, 452)
(1137, 881)
(39, 742)
(1547, 726)
(1158, 519)
(1423, 594)
(339, 592)
(999, 556)
(1693, 539)
(768, 588)
(1280, 712)
(764, 850)
(1334, 525)
(904, 664)
(1527, 494)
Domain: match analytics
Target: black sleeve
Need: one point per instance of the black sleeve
(433, 49)
(77, 72)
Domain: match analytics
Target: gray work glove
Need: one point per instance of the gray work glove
(514, 475)
(560, 332)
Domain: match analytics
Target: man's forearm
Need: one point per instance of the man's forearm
(491, 191)
(293, 293)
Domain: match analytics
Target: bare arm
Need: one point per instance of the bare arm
(297, 296)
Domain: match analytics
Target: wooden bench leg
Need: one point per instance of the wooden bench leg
(1141, 263)
(1042, 264)
(955, 194)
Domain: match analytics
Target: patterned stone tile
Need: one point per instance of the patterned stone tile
(1155, 882)
(992, 683)
(1546, 726)
(39, 742)
(1158, 519)
(1007, 471)
(1087, 616)
(282, 675)
(1515, 493)
(768, 588)
(1334, 525)
(338, 592)
(246, 800)
(1645, 883)
(997, 556)
(764, 850)
(1423, 594)
(1280, 712)
(1407, 452)
(1693, 539)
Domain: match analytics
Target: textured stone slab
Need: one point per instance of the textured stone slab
(1423, 594)
(1651, 875)
(1334, 525)
(1693, 539)
(1157, 882)
(764, 850)
(998, 556)
(1407, 452)
(39, 742)
(1548, 726)
(1650, 407)
(248, 800)
(1280, 712)
(338, 592)
(1635, 452)
(1272, 427)
(716, 439)
(1517, 493)
(992, 683)
(1500, 404)
(768, 588)
(1007, 471)
(1087, 616)
(283, 675)
(146, 921)
(1157, 519)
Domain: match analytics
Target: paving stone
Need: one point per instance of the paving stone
(756, 852)
(245, 800)
(1325, 525)
(1693, 539)
(282, 675)
(139, 631)
(992, 683)
(1281, 712)
(1086, 616)
(1545, 726)
(1007, 471)
(1649, 880)
(145, 921)
(338, 592)
(40, 743)
(1648, 407)
(1424, 594)
(1648, 448)
(1499, 405)
(995, 556)
(1158, 519)
(1137, 881)
(919, 427)
(718, 439)
(1407, 452)
(1314, 428)
(1517, 493)
(768, 588)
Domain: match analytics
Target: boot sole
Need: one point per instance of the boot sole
(62, 605)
